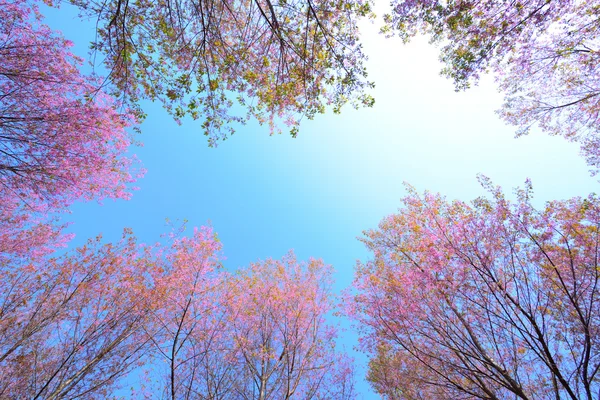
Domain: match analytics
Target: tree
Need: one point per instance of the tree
(72, 326)
(282, 59)
(544, 54)
(27, 238)
(284, 349)
(187, 317)
(259, 333)
(488, 300)
(60, 139)
(80, 324)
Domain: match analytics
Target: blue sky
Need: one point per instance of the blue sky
(315, 194)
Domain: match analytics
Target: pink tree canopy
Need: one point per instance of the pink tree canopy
(545, 55)
(487, 300)
(60, 138)
(260, 333)
(83, 324)
(72, 326)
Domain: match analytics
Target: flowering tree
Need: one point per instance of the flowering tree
(72, 326)
(75, 325)
(257, 334)
(545, 55)
(25, 240)
(282, 59)
(60, 139)
(283, 347)
(490, 300)
(185, 323)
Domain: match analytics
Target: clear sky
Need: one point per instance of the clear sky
(315, 194)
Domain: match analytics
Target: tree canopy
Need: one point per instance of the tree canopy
(544, 55)
(76, 325)
(279, 60)
(61, 139)
(487, 300)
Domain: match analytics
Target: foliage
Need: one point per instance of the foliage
(282, 59)
(188, 287)
(60, 139)
(79, 325)
(72, 326)
(284, 348)
(544, 53)
(483, 301)
(257, 334)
